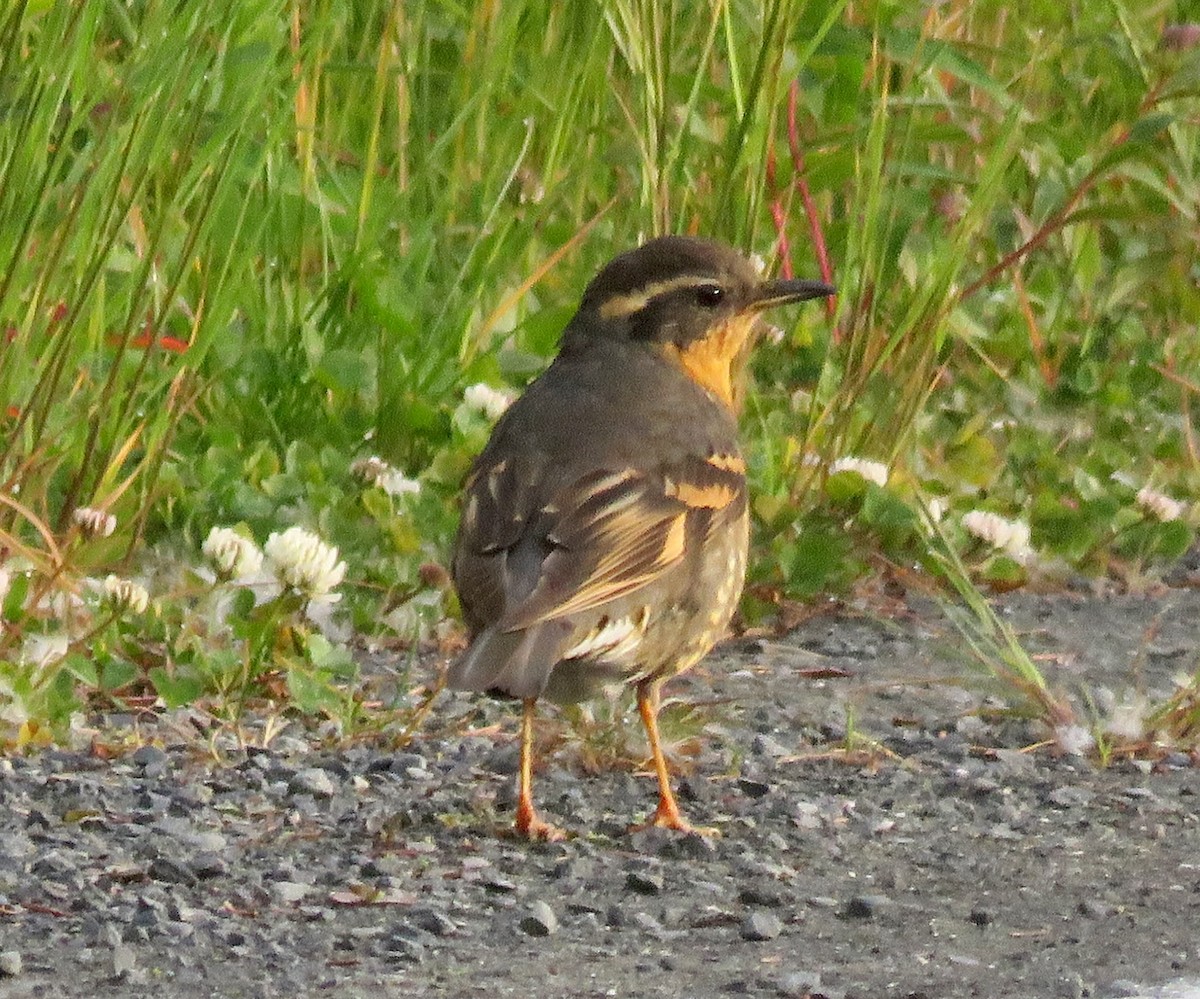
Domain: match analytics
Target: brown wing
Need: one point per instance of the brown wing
(598, 538)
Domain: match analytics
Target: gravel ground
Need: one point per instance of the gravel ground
(938, 861)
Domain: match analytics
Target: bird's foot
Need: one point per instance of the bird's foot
(530, 826)
(672, 818)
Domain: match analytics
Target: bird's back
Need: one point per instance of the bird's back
(611, 454)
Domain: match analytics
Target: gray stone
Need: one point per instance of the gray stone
(123, 960)
(981, 917)
(150, 758)
(765, 895)
(499, 885)
(171, 870)
(433, 921)
(10, 963)
(764, 745)
(644, 882)
(759, 925)
(798, 984)
(150, 913)
(1069, 797)
(866, 906)
(313, 781)
(1094, 909)
(648, 924)
(539, 920)
(401, 948)
(1012, 762)
(290, 891)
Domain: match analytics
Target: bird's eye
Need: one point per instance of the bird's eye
(710, 295)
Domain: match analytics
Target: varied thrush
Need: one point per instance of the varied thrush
(605, 525)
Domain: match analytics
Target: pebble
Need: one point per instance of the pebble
(1094, 909)
(406, 949)
(1012, 762)
(753, 788)
(313, 781)
(10, 963)
(539, 920)
(766, 895)
(1070, 797)
(765, 745)
(644, 882)
(171, 870)
(151, 759)
(149, 912)
(798, 984)
(866, 906)
(759, 925)
(123, 960)
(964, 960)
(289, 892)
(435, 922)
(981, 917)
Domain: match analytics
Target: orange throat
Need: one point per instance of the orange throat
(713, 361)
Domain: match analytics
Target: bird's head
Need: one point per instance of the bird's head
(694, 300)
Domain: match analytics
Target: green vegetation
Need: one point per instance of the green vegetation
(245, 249)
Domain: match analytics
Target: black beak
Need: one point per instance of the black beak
(772, 293)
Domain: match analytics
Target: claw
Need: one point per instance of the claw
(531, 827)
(668, 817)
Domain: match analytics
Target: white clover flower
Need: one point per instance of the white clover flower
(490, 401)
(94, 523)
(395, 483)
(235, 557)
(377, 472)
(871, 471)
(304, 562)
(1074, 740)
(1011, 536)
(44, 650)
(937, 508)
(771, 333)
(1159, 505)
(125, 594)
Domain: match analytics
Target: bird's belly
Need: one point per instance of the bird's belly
(657, 632)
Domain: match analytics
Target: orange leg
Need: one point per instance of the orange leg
(667, 815)
(528, 824)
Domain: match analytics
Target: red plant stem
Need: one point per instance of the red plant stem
(1061, 218)
(779, 217)
(810, 207)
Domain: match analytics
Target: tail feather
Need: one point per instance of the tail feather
(517, 663)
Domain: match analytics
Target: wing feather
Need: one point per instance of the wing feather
(543, 554)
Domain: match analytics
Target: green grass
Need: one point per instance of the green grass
(242, 246)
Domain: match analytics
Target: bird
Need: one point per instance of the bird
(604, 527)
